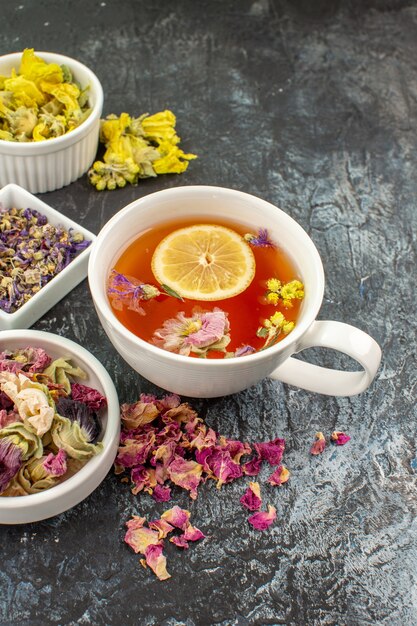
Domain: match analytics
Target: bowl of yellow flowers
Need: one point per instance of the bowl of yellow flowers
(50, 108)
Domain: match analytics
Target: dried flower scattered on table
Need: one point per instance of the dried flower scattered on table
(251, 499)
(149, 540)
(164, 442)
(138, 148)
(280, 476)
(318, 445)
(262, 519)
(40, 101)
(32, 252)
(339, 438)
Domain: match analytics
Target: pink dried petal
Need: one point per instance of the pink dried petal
(170, 401)
(41, 360)
(56, 464)
(252, 467)
(236, 448)
(271, 451)
(251, 499)
(319, 445)
(138, 414)
(204, 438)
(185, 474)
(214, 327)
(134, 452)
(280, 476)
(157, 561)
(143, 479)
(201, 457)
(181, 414)
(177, 517)
(223, 467)
(192, 533)
(161, 494)
(180, 541)
(8, 417)
(170, 432)
(136, 522)
(140, 537)
(89, 396)
(162, 527)
(262, 520)
(339, 438)
(165, 453)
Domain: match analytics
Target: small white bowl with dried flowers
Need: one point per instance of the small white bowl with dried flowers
(43, 255)
(59, 425)
(50, 108)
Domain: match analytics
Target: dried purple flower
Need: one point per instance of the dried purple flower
(129, 291)
(261, 240)
(79, 412)
(32, 252)
(244, 351)
(10, 461)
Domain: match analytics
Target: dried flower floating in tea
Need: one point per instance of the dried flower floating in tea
(238, 298)
(32, 252)
(46, 435)
(261, 240)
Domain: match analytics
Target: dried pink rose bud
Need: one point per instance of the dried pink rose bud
(339, 438)
(319, 445)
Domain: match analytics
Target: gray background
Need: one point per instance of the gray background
(312, 106)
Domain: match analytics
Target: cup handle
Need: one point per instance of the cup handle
(338, 336)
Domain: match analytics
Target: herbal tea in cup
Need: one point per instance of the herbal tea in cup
(206, 289)
(246, 299)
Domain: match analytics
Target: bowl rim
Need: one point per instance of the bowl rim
(110, 436)
(103, 306)
(54, 144)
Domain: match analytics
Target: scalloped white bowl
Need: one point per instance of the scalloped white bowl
(61, 497)
(61, 284)
(41, 166)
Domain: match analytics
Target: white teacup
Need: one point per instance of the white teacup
(206, 378)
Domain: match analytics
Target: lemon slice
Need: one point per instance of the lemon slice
(204, 262)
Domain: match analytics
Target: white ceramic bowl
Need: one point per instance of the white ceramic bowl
(39, 506)
(47, 165)
(14, 196)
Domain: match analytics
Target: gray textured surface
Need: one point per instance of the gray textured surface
(312, 106)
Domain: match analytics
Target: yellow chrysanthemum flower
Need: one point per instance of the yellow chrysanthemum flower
(273, 284)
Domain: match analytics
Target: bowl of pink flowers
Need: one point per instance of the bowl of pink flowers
(59, 425)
